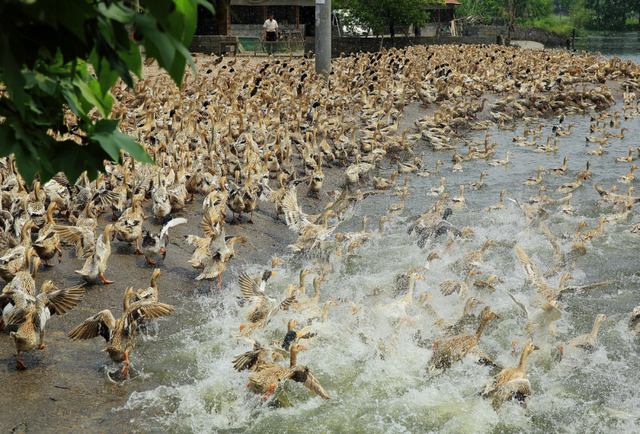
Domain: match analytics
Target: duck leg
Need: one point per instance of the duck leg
(219, 280)
(47, 263)
(125, 368)
(59, 254)
(149, 261)
(164, 253)
(267, 395)
(105, 281)
(2, 326)
(138, 251)
(251, 218)
(20, 364)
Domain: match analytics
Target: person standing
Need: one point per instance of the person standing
(270, 33)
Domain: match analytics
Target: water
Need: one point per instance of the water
(370, 363)
(625, 46)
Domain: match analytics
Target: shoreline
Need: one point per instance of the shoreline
(65, 380)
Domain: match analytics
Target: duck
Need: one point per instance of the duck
(396, 208)
(562, 169)
(46, 245)
(628, 159)
(502, 162)
(455, 327)
(368, 237)
(96, 264)
(473, 258)
(570, 186)
(565, 133)
(500, 205)
(587, 172)
(487, 284)
(546, 147)
(315, 312)
(453, 349)
(315, 299)
(400, 306)
(590, 235)
(448, 287)
(218, 258)
(381, 183)
(634, 321)
(12, 262)
(409, 167)
(574, 236)
(534, 276)
(588, 341)
(150, 292)
(31, 316)
(317, 179)
(533, 200)
(404, 189)
(265, 381)
(257, 359)
(120, 334)
(626, 179)
(477, 185)
(540, 320)
(439, 228)
(531, 143)
(567, 208)
(459, 201)
(161, 201)
(155, 244)
(510, 383)
(129, 225)
(436, 191)
(428, 172)
(262, 307)
(402, 279)
(535, 180)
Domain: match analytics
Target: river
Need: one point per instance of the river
(373, 369)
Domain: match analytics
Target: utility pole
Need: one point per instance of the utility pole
(323, 37)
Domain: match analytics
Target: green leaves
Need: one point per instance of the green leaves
(112, 140)
(46, 48)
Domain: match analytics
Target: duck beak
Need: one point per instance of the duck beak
(304, 348)
(607, 319)
(497, 317)
(277, 355)
(420, 277)
(536, 348)
(273, 273)
(298, 324)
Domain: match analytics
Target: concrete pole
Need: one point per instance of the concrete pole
(323, 37)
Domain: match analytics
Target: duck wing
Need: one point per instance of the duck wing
(171, 224)
(62, 301)
(532, 272)
(295, 218)
(101, 324)
(301, 374)
(82, 238)
(12, 303)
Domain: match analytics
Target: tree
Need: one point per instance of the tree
(377, 15)
(509, 12)
(58, 61)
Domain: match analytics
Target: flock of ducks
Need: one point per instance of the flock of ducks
(238, 137)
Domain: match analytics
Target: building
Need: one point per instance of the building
(441, 19)
(246, 18)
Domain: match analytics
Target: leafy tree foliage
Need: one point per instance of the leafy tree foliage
(58, 61)
(376, 15)
(611, 14)
(508, 12)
